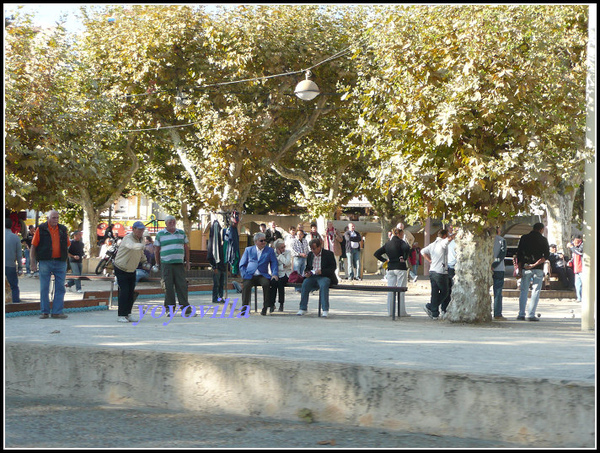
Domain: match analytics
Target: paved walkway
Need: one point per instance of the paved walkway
(357, 331)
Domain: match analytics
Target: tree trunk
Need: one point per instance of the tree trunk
(471, 300)
(91, 218)
(559, 211)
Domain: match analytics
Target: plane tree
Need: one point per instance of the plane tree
(461, 103)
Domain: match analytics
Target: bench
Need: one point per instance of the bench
(199, 258)
(86, 277)
(368, 288)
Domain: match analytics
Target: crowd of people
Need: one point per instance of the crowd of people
(315, 260)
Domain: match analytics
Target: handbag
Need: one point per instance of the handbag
(295, 277)
(517, 268)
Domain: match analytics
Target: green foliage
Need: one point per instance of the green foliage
(475, 108)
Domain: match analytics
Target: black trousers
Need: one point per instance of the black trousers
(256, 280)
(126, 282)
(278, 287)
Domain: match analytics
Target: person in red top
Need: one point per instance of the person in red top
(576, 248)
(49, 250)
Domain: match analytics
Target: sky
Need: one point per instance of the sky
(47, 14)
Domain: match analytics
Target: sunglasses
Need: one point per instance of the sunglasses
(262, 240)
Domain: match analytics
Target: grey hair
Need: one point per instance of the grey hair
(277, 243)
(258, 236)
(169, 217)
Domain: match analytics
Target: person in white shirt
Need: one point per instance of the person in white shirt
(437, 255)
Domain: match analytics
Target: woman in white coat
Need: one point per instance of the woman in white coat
(284, 261)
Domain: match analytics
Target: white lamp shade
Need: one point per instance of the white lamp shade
(307, 90)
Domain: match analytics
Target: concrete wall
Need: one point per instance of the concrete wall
(535, 412)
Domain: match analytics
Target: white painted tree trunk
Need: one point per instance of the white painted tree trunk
(471, 301)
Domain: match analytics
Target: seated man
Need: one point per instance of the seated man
(254, 268)
(319, 274)
(559, 267)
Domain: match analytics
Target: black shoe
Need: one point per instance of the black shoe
(533, 319)
(271, 308)
(280, 307)
(520, 318)
(264, 311)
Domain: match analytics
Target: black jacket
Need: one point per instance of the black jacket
(532, 247)
(397, 252)
(328, 265)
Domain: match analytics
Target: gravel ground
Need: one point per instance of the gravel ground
(47, 423)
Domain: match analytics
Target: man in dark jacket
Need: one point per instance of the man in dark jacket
(319, 274)
(397, 251)
(532, 252)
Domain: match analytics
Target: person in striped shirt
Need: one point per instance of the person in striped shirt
(172, 253)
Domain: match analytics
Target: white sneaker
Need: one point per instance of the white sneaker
(324, 314)
(300, 312)
(131, 318)
(79, 290)
(122, 319)
(415, 279)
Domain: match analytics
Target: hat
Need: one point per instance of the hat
(139, 225)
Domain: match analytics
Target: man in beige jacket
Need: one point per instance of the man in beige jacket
(129, 256)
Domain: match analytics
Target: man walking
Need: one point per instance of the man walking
(172, 252)
(49, 251)
(437, 254)
(532, 252)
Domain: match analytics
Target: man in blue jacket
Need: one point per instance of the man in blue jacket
(254, 268)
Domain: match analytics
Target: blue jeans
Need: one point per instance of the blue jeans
(414, 271)
(578, 286)
(354, 264)
(440, 284)
(299, 266)
(498, 277)
(537, 277)
(13, 280)
(311, 283)
(76, 268)
(141, 274)
(47, 268)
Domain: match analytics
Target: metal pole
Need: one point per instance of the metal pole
(588, 302)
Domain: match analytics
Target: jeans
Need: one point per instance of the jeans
(299, 266)
(578, 286)
(27, 260)
(126, 281)
(47, 268)
(76, 268)
(414, 271)
(141, 274)
(174, 277)
(537, 277)
(311, 283)
(13, 280)
(354, 264)
(439, 291)
(498, 277)
(396, 277)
